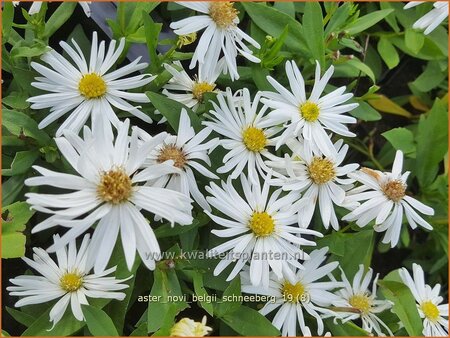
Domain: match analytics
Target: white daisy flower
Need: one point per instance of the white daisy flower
(184, 151)
(237, 118)
(36, 7)
(434, 314)
(260, 229)
(309, 117)
(433, 18)
(187, 327)
(321, 178)
(220, 20)
(87, 88)
(190, 91)
(107, 188)
(362, 302)
(68, 279)
(295, 293)
(385, 199)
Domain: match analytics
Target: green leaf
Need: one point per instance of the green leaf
(414, 40)
(313, 31)
(59, 17)
(147, 7)
(358, 64)
(338, 18)
(161, 314)
(430, 78)
(152, 31)
(171, 110)
(200, 291)
(21, 317)
(401, 139)
(7, 20)
(28, 51)
(432, 136)
(23, 160)
(404, 305)
(168, 230)
(67, 326)
(12, 188)
(13, 240)
(347, 329)
(98, 322)
(117, 310)
(367, 21)
(249, 322)
(350, 245)
(388, 53)
(16, 100)
(365, 112)
(273, 22)
(226, 306)
(20, 124)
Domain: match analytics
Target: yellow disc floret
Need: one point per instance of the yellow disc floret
(262, 224)
(254, 139)
(360, 302)
(92, 86)
(172, 152)
(200, 88)
(430, 311)
(71, 282)
(115, 186)
(394, 190)
(223, 13)
(293, 293)
(321, 170)
(309, 111)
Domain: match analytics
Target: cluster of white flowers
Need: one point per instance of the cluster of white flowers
(119, 175)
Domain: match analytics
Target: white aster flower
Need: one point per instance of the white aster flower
(107, 188)
(295, 293)
(68, 279)
(434, 314)
(220, 20)
(309, 117)
(433, 18)
(237, 118)
(36, 7)
(362, 302)
(187, 327)
(187, 91)
(260, 229)
(87, 89)
(184, 152)
(385, 199)
(321, 178)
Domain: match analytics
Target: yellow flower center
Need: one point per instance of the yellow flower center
(184, 40)
(92, 86)
(115, 186)
(71, 282)
(360, 302)
(430, 311)
(321, 170)
(309, 111)
(293, 293)
(201, 88)
(223, 13)
(394, 190)
(262, 224)
(186, 327)
(254, 139)
(171, 152)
